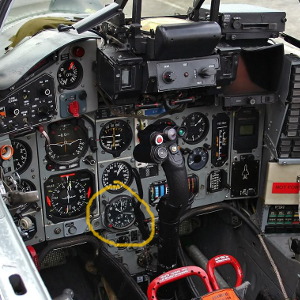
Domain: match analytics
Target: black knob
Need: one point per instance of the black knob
(207, 71)
(12, 111)
(168, 76)
(82, 95)
(45, 91)
(236, 24)
(43, 110)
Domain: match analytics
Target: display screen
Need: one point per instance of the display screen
(246, 129)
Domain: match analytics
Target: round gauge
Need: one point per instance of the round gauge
(26, 186)
(69, 74)
(118, 170)
(197, 126)
(115, 137)
(119, 213)
(68, 141)
(197, 159)
(22, 155)
(67, 195)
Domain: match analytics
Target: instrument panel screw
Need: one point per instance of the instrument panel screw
(57, 230)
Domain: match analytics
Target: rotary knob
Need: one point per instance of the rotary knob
(168, 77)
(207, 71)
(43, 111)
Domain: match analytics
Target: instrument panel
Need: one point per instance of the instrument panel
(68, 145)
(71, 169)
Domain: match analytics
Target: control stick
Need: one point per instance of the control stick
(159, 144)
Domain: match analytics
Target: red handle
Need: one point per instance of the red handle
(174, 275)
(220, 260)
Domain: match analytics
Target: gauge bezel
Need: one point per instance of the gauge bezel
(69, 86)
(127, 137)
(205, 131)
(29, 183)
(128, 182)
(111, 223)
(84, 177)
(200, 165)
(50, 154)
(28, 160)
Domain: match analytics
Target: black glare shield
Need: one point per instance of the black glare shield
(186, 40)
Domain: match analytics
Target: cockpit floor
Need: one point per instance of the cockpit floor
(71, 275)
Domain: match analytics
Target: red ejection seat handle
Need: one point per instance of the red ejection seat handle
(220, 260)
(174, 275)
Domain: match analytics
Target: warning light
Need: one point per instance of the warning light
(78, 51)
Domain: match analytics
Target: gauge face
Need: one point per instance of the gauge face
(67, 195)
(197, 126)
(22, 155)
(26, 186)
(115, 137)
(118, 170)
(197, 159)
(69, 74)
(119, 213)
(68, 141)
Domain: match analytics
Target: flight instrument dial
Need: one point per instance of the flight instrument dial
(69, 74)
(115, 137)
(118, 170)
(119, 213)
(197, 126)
(22, 155)
(68, 141)
(67, 195)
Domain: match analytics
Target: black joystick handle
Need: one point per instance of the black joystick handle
(159, 144)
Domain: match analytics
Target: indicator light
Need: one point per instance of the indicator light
(78, 51)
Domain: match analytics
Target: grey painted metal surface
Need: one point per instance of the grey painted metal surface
(39, 46)
(15, 261)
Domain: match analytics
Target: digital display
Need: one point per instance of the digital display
(246, 129)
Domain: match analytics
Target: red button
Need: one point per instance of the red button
(159, 139)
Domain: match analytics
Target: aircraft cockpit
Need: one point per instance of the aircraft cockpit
(149, 150)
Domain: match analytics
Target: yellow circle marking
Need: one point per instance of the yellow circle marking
(136, 196)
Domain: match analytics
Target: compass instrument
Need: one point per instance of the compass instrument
(22, 155)
(115, 137)
(197, 126)
(68, 141)
(119, 213)
(69, 74)
(67, 195)
(118, 170)
(197, 158)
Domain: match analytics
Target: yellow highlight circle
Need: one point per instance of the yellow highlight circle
(136, 196)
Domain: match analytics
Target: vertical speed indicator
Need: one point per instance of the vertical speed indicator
(118, 170)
